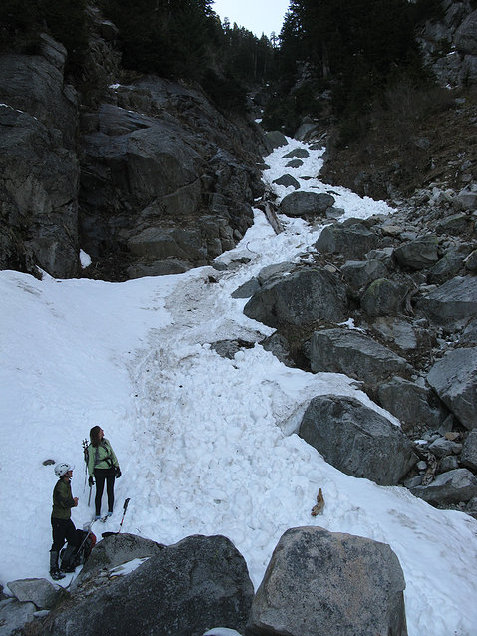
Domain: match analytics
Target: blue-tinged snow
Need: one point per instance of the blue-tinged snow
(206, 444)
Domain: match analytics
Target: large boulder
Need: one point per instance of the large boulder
(454, 302)
(306, 296)
(355, 354)
(468, 457)
(419, 253)
(306, 204)
(454, 379)
(351, 240)
(357, 440)
(38, 591)
(466, 35)
(448, 488)
(184, 589)
(360, 273)
(116, 550)
(402, 333)
(384, 297)
(321, 583)
(415, 406)
(14, 615)
(274, 139)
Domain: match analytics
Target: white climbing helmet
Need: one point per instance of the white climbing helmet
(62, 469)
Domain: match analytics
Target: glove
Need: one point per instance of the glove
(118, 471)
(91, 481)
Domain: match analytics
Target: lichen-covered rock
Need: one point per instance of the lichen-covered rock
(306, 204)
(357, 440)
(306, 296)
(321, 583)
(454, 379)
(352, 240)
(183, 589)
(355, 354)
(449, 488)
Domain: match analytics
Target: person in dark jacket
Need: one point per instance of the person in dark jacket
(102, 466)
(63, 528)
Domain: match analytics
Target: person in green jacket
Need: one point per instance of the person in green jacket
(102, 466)
(62, 526)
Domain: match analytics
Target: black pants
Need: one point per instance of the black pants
(63, 530)
(101, 476)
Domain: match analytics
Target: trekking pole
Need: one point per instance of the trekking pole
(85, 455)
(89, 498)
(126, 503)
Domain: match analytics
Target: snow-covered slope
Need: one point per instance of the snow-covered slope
(206, 444)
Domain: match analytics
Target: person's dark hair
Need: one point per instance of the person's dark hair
(94, 436)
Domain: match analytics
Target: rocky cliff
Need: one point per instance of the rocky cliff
(141, 175)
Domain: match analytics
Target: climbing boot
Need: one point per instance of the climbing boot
(55, 572)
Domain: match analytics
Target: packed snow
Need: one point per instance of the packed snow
(207, 445)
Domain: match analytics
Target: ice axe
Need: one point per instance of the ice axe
(125, 507)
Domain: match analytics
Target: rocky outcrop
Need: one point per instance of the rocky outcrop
(146, 177)
(357, 440)
(39, 168)
(162, 181)
(355, 354)
(305, 296)
(181, 589)
(454, 379)
(306, 204)
(410, 293)
(450, 487)
(320, 583)
(449, 45)
(131, 585)
(351, 239)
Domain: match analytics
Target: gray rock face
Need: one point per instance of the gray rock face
(14, 615)
(453, 302)
(401, 332)
(449, 488)
(38, 591)
(469, 335)
(469, 451)
(184, 589)
(353, 353)
(413, 405)
(299, 153)
(419, 253)
(306, 296)
(116, 550)
(466, 35)
(38, 166)
(320, 583)
(306, 204)
(157, 157)
(352, 241)
(446, 267)
(275, 139)
(356, 440)
(454, 379)
(287, 180)
(384, 297)
(360, 273)
(163, 159)
(468, 198)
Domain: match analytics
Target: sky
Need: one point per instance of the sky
(206, 444)
(258, 16)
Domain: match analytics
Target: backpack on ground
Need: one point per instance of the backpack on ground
(77, 553)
